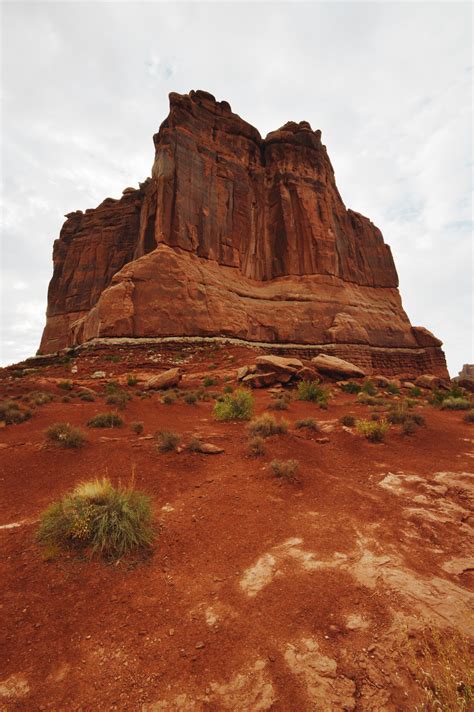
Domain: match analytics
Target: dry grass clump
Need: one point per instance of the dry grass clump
(441, 664)
(308, 423)
(374, 431)
(190, 398)
(86, 396)
(11, 413)
(369, 388)
(194, 445)
(105, 420)
(393, 389)
(348, 420)
(280, 402)
(166, 441)
(312, 391)
(285, 469)
(137, 427)
(169, 398)
(95, 515)
(366, 399)
(455, 403)
(38, 398)
(266, 425)
(235, 406)
(207, 382)
(64, 435)
(256, 446)
(132, 380)
(351, 387)
(118, 398)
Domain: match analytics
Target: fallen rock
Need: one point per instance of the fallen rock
(429, 381)
(307, 374)
(285, 368)
(336, 367)
(260, 380)
(210, 449)
(380, 381)
(167, 379)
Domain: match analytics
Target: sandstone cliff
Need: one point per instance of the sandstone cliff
(234, 235)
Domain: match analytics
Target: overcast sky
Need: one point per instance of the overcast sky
(85, 85)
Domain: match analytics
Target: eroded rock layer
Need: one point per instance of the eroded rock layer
(234, 235)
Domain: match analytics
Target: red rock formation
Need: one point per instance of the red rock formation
(234, 236)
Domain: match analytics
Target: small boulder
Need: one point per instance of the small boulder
(98, 374)
(427, 380)
(307, 374)
(336, 367)
(167, 379)
(210, 449)
(380, 381)
(261, 380)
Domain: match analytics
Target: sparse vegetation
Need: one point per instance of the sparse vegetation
(347, 420)
(65, 385)
(110, 521)
(351, 387)
(194, 445)
(415, 392)
(166, 441)
(365, 399)
(105, 420)
(393, 389)
(285, 469)
(235, 406)
(11, 413)
(132, 381)
(308, 423)
(266, 425)
(208, 382)
(256, 446)
(408, 426)
(369, 387)
(38, 398)
(137, 427)
(119, 398)
(169, 398)
(227, 389)
(87, 397)
(279, 404)
(374, 431)
(64, 435)
(455, 403)
(190, 398)
(115, 358)
(469, 417)
(312, 391)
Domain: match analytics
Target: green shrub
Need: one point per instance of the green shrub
(208, 382)
(347, 420)
(455, 403)
(38, 398)
(374, 431)
(167, 441)
(285, 469)
(415, 392)
(227, 389)
(266, 425)
(64, 435)
(119, 398)
(235, 406)
(369, 387)
(105, 420)
(132, 381)
(106, 520)
(11, 413)
(351, 387)
(469, 417)
(309, 423)
(312, 391)
(190, 398)
(66, 385)
(256, 446)
(137, 427)
(393, 389)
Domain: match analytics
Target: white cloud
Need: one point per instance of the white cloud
(85, 87)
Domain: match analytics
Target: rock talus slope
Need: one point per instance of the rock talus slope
(234, 236)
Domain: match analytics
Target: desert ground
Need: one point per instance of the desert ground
(339, 589)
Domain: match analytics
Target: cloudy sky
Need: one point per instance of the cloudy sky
(84, 87)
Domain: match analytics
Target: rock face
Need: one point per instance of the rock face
(234, 236)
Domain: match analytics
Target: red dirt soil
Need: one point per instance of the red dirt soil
(259, 594)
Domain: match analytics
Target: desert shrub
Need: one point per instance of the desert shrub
(194, 445)
(169, 398)
(256, 446)
(374, 431)
(285, 469)
(65, 385)
(309, 423)
(213, 366)
(11, 413)
(393, 389)
(312, 391)
(166, 441)
(351, 387)
(455, 403)
(20, 373)
(208, 382)
(105, 420)
(110, 521)
(132, 381)
(87, 397)
(347, 420)
(408, 426)
(115, 358)
(66, 399)
(365, 399)
(38, 398)
(369, 387)
(190, 398)
(227, 389)
(441, 664)
(415, 392)
(279, 404)
(119, 398)
(469, 417)
(235, 406)
(266, 425)
(137, 427)
(64, 435)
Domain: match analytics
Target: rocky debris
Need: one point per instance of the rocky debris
(261, 380)
(201, 251)
(284, 368)
(430, 381)
(336, 367)
(167, 379)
